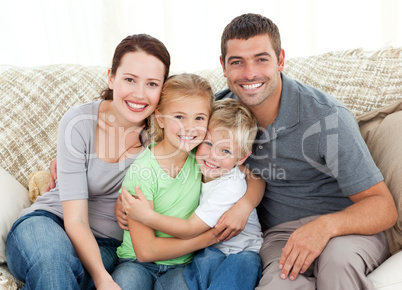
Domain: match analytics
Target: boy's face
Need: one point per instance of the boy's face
(217, 154)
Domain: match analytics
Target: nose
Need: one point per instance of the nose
(138, 90)
(249, 71)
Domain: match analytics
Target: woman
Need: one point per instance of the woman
(73, 226)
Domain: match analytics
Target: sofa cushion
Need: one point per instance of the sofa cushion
(14, 197)
(362, 80)
(382, 131)
(388, 275)
(32, 102)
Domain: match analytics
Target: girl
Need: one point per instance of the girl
(169, 175)
(73, 226)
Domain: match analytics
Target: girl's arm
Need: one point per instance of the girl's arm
(77, 227)
(149, 248)
(139, 209)
(234, 220)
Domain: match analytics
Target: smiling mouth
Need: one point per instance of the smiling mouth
(136, 106)
(252, 86)
(210, 165)
(187, 138)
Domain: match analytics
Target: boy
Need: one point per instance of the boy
(232, 264)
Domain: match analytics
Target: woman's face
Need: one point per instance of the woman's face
(137, 86)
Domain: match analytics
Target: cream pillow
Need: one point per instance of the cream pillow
(382, 131)
(14, 197)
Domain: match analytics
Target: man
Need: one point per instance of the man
(325, 204)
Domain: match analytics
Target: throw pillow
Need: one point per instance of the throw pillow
(382, 131)
(14, 197)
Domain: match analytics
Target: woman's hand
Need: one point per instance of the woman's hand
(52, 176)
(120, 213)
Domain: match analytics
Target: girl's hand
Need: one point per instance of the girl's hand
(120, 213)
(136, 207)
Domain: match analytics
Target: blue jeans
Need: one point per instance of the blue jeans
(40, 254)
(212, 269)
(132, 274)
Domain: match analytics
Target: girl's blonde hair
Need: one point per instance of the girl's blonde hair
(231, 118)
(177, 88)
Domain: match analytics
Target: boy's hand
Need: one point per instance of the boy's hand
(52, 176)
(136, 207)
(231, 223)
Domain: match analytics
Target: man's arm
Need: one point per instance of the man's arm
(373, 211)
(234, 220)
(139, 209)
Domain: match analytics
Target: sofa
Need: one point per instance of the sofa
(32, 101)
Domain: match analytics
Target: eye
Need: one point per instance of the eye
(236, 62)
(200, 118)
(180, 117)
(227, 152)
(130, 80)
(152, 84)
(208, 143)
(262, 59)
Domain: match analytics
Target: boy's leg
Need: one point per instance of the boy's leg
(238, 271)
(199, 273)
(346, 261)
(131, 274)
(40, 253)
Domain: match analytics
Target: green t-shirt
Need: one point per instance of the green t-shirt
(178, 197)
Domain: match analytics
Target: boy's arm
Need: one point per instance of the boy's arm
(234, 220)
(149, 248)
(139, 209)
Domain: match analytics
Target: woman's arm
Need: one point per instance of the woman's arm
(234, 220)
(139, 209)
(77, 227)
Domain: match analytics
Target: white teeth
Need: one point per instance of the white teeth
(251, 87)
(135, 106)
(187, 137)
(210, 165)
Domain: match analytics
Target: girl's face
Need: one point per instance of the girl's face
(137, 86)
(184, 122)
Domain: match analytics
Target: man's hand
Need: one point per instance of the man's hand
(120, 213)
(303, 247)
(232, 222)
(52, 176)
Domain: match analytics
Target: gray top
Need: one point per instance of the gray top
(82, 175)
(312, 157)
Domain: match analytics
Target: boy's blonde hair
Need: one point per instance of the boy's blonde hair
(177, 88)
(232, 118)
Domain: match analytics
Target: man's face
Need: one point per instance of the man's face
(252, 69)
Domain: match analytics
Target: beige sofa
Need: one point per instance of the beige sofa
(32, 101)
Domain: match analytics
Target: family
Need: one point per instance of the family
(162, 185)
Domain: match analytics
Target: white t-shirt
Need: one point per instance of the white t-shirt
(219, 195)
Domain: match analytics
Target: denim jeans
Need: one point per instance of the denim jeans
(40, 253)
(132, 274)
(212, 269)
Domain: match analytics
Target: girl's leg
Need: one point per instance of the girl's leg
(131, 274)
(40, 253)
(171, 277)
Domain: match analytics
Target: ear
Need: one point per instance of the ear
(110, 78)
(243, 158)
(281, 62)
(159, 118)
(223, 65)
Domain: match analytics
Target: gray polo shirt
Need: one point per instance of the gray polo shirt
(312, 157)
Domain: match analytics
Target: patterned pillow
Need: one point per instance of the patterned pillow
(32, 102)
(362, 80)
